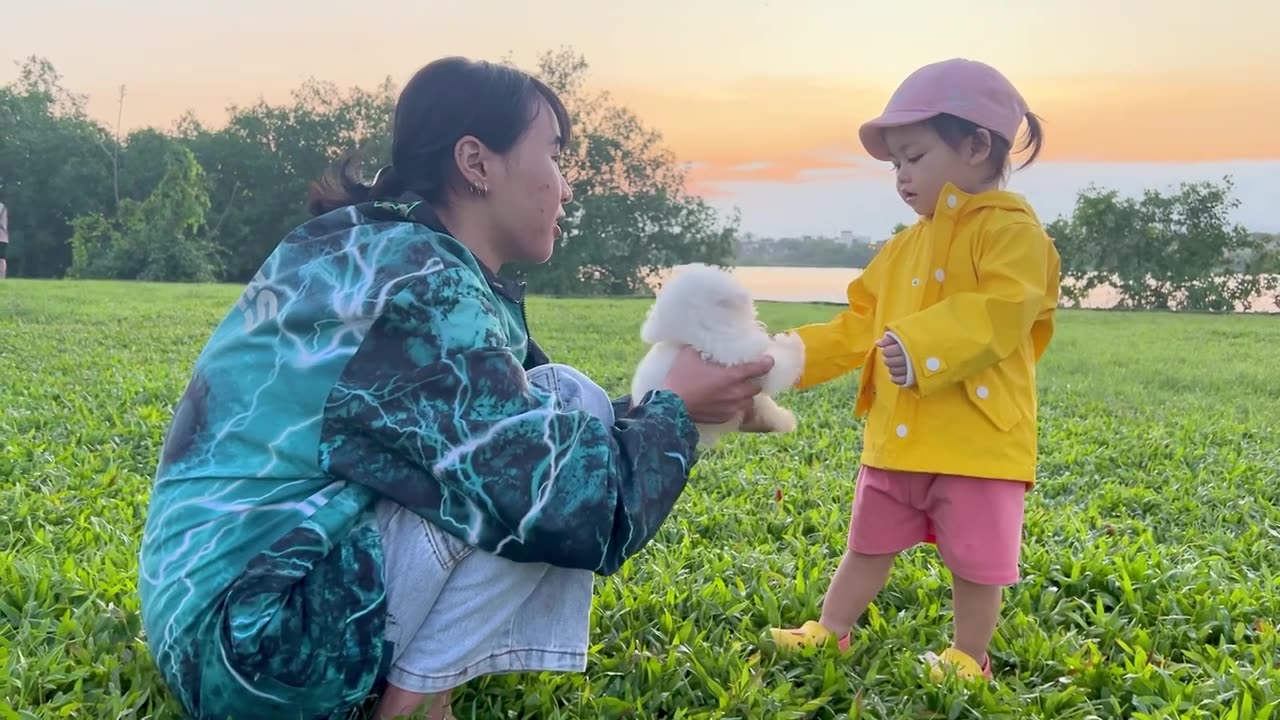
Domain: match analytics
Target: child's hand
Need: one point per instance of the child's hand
(895, 359)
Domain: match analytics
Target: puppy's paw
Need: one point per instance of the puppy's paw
(781, 420)
(767, 416)
(787, 351)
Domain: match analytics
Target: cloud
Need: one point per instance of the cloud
(718, 179)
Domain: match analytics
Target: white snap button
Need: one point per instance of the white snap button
(952, 201)
(915, 282)
(939, 275)
(983, 392)
(933, 364)
(902, 431)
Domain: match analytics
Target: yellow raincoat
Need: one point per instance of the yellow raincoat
(971, 294)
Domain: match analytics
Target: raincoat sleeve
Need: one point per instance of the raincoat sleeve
(843, 343)
(434, 412)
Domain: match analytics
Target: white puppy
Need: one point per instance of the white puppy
(707, 308)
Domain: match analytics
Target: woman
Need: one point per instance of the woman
(4, 241)
(375, 483)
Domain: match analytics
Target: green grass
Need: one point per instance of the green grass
(1152, 575)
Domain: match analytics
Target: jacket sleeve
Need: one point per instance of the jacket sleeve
(434, 412)
(970, 331)
(843, 343)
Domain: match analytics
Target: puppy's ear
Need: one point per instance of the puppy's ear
(735, 299)
(739, 299)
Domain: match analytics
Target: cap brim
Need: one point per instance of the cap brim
(872, 132)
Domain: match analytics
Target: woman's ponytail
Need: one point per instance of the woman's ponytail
(339, 186)
(386, 184)
(342, 185)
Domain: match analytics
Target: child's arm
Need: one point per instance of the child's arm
(970, 331)
(842, 344)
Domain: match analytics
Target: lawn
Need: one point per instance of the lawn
(1152, 574)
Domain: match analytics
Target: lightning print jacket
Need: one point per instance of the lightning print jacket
(371, 357)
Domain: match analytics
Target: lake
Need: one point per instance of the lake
(808, 284)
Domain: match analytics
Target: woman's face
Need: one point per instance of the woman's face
(528, 193)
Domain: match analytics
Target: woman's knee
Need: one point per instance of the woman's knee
(573, 390)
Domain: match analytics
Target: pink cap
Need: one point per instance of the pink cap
(965, 88)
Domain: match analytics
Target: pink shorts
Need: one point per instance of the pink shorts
(976, 523)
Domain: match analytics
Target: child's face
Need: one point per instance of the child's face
(924, 163)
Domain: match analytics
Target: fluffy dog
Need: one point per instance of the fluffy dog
(707, 308)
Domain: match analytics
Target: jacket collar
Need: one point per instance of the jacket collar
(954, 202)
(412, 207)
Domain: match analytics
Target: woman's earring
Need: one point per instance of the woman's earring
(479, 191)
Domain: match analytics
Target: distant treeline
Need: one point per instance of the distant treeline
(802, 252)
(197, 204)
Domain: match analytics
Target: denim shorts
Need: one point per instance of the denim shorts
(455, 613)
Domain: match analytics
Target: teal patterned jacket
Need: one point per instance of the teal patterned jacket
(371, 357)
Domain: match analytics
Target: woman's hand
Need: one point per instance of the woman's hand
(714, 393)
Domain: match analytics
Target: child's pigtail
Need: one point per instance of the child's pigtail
(1035, 139)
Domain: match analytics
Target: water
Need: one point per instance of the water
(809, 284)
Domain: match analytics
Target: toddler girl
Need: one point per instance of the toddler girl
(947, 324)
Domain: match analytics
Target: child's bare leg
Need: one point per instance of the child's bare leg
(855, 584)
(977, 611)
(398, 703)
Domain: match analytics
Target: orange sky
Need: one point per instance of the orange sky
(746, 90)
(794, 126)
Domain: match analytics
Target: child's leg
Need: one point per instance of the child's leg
(857, 581)
(979, 528)
(887, 519)
(977, 611)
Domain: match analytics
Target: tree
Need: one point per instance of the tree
(1160, 251)
(52, 168)
(632, 216)
(144, 161)
(1266, 258)
(159, 238)
(260, 163)
(200, 203)
(803, 252)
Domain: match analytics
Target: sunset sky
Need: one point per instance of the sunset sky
(761, 97)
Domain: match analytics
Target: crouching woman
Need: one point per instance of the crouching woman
(375, 483)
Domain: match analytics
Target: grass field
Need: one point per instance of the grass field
(1152, 574)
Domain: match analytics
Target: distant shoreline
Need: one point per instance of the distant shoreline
(770, 284)
(779, 283)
